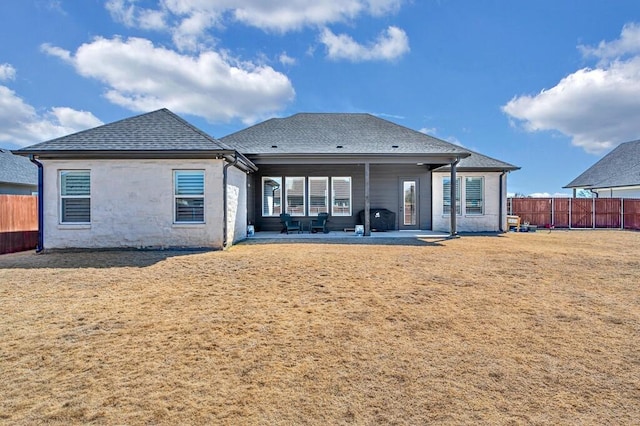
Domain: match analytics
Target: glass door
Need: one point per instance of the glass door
(409, 203)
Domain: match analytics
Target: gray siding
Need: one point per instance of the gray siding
(17, 189)
(384, 191)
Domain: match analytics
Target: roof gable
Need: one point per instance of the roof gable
(620, 167)
(16, 169)
(159, 130)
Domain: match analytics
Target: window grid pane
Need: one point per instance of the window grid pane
(446, 196)
(76, 210)
(190, 183)
(318, 195)
(474, 200)
(341, 196)
(271, 196)
(295, 195)
(75, 182)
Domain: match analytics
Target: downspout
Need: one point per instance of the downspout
(225, 239)
(500, 221)
(453, 232)
(40, 245)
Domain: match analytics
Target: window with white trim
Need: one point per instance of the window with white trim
(75, 196)
(271, 196)
(446, 196)
(341, 196)
(295, 195)
(189, 196)
(318, 195)
(474, 195)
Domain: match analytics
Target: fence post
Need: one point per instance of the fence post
(593, 213)
(553, 212)
(621, 213)
(570, 204)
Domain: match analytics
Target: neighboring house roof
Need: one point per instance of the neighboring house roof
(620, 167)
(336, 133)
(155, 131)
(17, 170)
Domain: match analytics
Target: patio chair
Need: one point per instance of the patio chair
(289, 225)
(320, 223)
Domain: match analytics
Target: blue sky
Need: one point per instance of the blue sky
(550, 86)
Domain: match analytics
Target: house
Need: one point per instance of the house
(154, 180)
(616, 175)
(345, 164)
(18, 175)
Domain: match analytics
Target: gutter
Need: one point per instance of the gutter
(40, 245)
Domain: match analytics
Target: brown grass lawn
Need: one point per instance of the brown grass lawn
(539, 328)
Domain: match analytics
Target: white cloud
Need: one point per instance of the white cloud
(429, 130)
(286, 59)
(22, 125)
(7, 72)
(598, 108)
(389, 45)
(143, 77)
(627, 44)
(190, 20)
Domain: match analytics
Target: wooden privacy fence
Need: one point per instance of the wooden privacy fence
(581, 213)
(18, 223)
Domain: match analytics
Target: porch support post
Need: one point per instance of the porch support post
(454, 207)
(367, 204)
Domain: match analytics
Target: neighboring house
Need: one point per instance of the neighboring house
(18, 175)
(154, 180)
(616, 175)
(319, 162)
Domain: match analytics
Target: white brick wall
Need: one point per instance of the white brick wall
(236, 205)
(487, 222)
(132, 205)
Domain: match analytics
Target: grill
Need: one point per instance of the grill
(380, 219)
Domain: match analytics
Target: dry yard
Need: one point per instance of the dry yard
(539, 328)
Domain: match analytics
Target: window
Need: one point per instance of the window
(341, 196)
(75, 196)
(189, 196)
(446, 196)
(271, 196)
(474, 195)
(318, 195)
(295, 195)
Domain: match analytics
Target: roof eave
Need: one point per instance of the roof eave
(356, 158)
(125, 154)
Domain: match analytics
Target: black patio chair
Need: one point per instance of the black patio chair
(320, 223)
(290, 225)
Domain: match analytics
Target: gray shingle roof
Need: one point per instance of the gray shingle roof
(483, 162)
(324, 133)
(159, 130)
(620, 167)
(17, 169)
